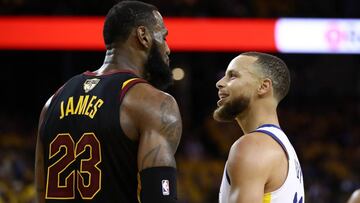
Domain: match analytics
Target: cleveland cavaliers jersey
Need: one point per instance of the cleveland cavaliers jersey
(292, 189)
(87, 156)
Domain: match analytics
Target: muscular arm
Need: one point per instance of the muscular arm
(152, 117)
(160, 132)
(249, 167)
(39, 160)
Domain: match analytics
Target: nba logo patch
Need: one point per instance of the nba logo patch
(165, 187)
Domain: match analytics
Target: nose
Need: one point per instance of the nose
(220, 84)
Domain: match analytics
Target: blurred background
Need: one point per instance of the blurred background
(321, 114)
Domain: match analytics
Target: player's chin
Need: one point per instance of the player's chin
(220, 115)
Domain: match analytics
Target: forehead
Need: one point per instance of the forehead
(159, 21)
(242, 64)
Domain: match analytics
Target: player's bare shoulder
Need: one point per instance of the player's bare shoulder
(149, 107)
(263, 144)
(246, 147)
(254, 150)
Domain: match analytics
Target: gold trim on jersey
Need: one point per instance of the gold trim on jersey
(71, 175)
(86, 166)
(95, 165)
(267, 198)
(127, 82)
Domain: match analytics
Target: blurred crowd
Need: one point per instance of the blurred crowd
(16, 167)
(327, 143)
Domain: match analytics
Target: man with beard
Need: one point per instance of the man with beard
(262, 165)
(110, 135)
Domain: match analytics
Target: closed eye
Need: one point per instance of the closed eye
(232, 75)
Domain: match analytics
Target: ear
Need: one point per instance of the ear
(265, 87)
(143, 35)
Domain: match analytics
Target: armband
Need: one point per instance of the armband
(158, 184)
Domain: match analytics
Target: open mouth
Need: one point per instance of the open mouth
(222, 97)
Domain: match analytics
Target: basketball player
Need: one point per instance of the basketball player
(110, 135)
(355, 197)
(262, 166)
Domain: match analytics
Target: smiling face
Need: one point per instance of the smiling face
(237, 88)
(157, 70)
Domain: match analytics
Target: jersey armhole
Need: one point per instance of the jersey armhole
(128, 84)
(276, 139)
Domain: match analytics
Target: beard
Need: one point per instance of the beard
(157, 72)
(228, 111)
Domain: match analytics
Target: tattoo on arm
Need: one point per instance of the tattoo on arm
(171, 123)
(164, 145)
(151, 156)
(155, 158)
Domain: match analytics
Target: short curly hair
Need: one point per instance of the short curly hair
(275, 69)
(123, 17)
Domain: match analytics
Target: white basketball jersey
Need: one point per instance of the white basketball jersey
(293, 188)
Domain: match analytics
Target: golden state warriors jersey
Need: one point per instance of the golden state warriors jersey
(292, 189)
(88, 157)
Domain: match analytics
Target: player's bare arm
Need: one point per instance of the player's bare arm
(158, 144)
(152, 117)
(39, 159)
(160, 133)
(156, 117)
(251, 165)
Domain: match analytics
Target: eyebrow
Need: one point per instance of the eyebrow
(232, 72)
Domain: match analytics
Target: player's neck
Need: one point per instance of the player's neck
(120, 59)
(257, 115)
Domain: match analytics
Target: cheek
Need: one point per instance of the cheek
(241, 90)
(158, 37)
